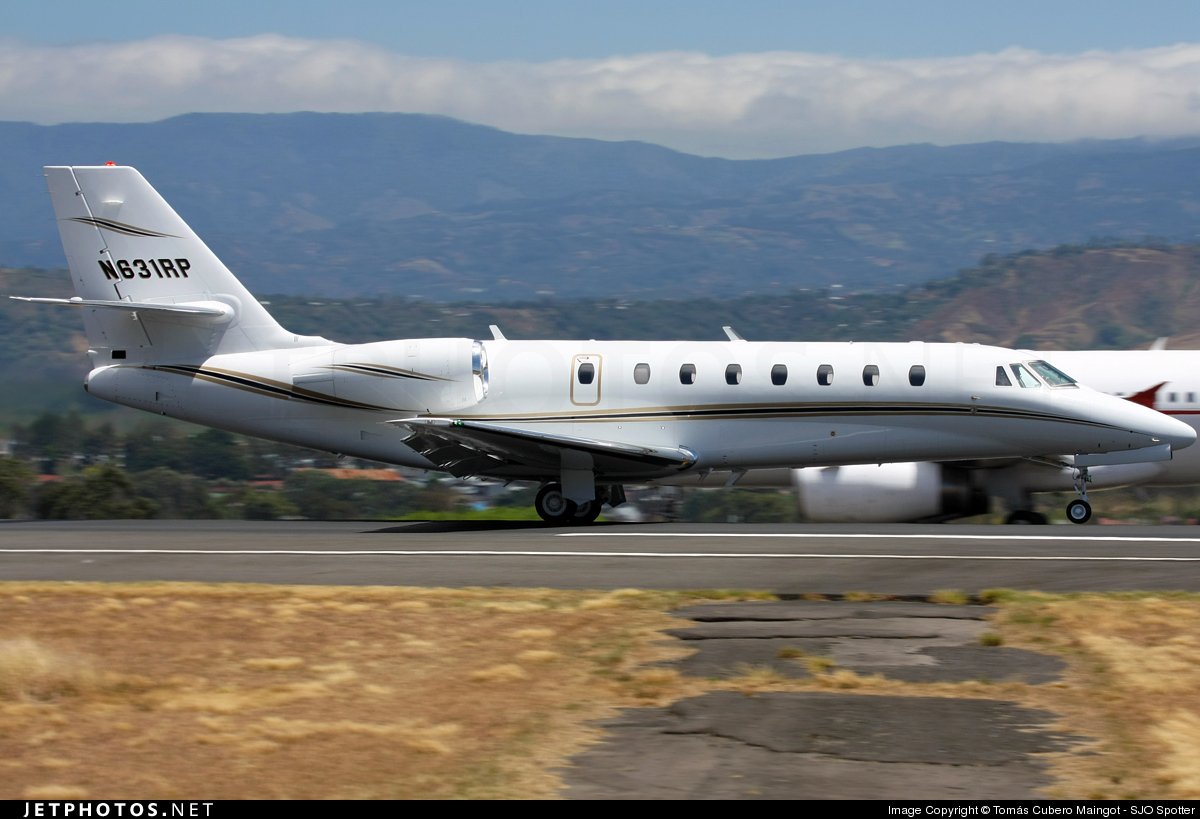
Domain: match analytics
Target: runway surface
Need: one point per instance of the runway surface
(786, 559)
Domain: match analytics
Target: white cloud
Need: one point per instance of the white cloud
(765, 104)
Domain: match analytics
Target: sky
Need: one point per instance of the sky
(754, 78)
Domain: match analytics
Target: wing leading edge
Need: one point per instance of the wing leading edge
(463, 447)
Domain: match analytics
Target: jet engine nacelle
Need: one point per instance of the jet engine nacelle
(884, 493)
(424, 375)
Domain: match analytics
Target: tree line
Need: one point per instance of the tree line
(65, 466)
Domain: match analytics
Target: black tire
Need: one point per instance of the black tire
(587, 512)
(551, 506)
(1079, 511)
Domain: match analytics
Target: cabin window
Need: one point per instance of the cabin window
(870, 375)
(916, 375)
(1191, 398)
(825, 375)
(779, 375)
(733, 374)
(687, 374)
(1024, 377)
(641, 374)
(587, 373)
(1172, 397)
(1053, 376)
(1002, 379)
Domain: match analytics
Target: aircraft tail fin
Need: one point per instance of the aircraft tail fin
(149, 288)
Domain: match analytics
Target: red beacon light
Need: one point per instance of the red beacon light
(110, 164)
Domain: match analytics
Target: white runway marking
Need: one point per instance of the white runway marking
(527, 553)
(870, 536)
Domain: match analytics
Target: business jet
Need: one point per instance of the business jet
(1161, 379)
(173, 332)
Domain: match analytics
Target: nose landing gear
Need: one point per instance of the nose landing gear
(1079, 510)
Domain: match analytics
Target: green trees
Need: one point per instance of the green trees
(16, 482)
(318, 496)
(174, 494)
(99, 492)
(739, 506)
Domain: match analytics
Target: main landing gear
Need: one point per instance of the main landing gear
(1079, 510)
(553, 507)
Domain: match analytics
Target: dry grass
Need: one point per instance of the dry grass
(30, 670)
(304, 692)
(1133, 685)
(950, 597)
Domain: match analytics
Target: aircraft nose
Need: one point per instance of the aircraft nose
(1178, 434)
(1170, 430)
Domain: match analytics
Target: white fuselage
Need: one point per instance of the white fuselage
(730, 403)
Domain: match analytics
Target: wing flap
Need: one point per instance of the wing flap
(464, 447)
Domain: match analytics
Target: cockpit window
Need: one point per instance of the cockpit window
(1024, 377)
(1002, 379)
(1052, 375)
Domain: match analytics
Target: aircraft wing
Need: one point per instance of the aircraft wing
(464, 447)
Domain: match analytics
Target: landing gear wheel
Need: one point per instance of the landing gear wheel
(551, 506)
(587, 512)
(1026, 516)
(1079, 511)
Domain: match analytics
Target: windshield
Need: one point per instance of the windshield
(1052, 375)
(1024, 377)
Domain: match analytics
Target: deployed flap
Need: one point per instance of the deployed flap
(464, 447)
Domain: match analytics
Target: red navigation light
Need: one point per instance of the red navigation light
(110, 164)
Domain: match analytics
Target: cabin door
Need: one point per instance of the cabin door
(585, 380)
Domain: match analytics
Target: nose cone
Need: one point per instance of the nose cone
(1172, 431)
(1133, 426)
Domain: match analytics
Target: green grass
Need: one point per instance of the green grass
(494, 513)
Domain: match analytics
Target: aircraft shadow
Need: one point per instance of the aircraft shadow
(426, 527)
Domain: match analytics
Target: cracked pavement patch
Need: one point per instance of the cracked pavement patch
(913, 642)
(825, 745)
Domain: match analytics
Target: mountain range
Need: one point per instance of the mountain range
(387, 205)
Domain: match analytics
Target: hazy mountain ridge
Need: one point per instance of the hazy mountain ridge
(378, 204)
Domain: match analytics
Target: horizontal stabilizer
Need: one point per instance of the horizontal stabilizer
(212, 310)
(456, 446)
